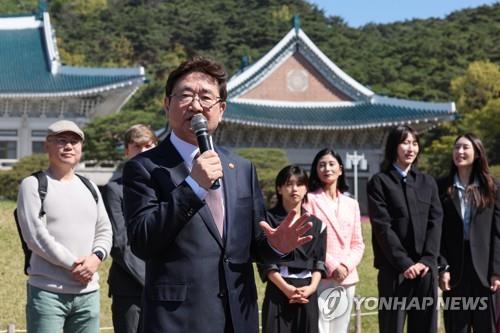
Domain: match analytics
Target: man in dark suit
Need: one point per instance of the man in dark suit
(199, 243)
(126, 275)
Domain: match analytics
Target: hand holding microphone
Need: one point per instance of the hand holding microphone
(209, 168)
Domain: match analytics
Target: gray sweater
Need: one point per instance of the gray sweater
(74, 226)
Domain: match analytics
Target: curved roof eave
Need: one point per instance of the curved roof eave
(445, 106)
(370, 125)
(76, 93)
(19, 22)
(239, 79)
(334, 68)
(375, 100)
(96, 71)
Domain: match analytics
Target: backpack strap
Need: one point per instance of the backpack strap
(89, 185)
(42, 189)
(42, 192)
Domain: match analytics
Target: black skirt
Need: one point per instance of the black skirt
(280, 316)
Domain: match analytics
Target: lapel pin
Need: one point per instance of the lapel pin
(231, 166)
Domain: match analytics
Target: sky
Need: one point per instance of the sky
(360, 12)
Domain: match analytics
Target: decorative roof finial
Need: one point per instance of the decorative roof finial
(244, 62)
(296, 23)
(42, 8)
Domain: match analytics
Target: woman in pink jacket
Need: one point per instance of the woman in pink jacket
(344, 245)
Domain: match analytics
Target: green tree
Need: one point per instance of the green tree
(268, 163)
(437, 158)
(487, 124)
(477, 87)
(478, 99)
(477, 93)
(104, 135)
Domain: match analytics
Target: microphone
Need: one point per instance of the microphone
(199, 124)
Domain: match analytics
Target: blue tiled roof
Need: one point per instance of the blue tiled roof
(24, 67)
(357, 115)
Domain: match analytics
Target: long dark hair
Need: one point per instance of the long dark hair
(284, 175)
(314, 181)
(396, 136)
(485, 194)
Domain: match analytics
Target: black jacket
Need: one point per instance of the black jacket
(194, 278)
(126, 275)
(406, 224)
(484, 237)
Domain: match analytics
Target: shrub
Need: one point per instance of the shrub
(495, 171)
(9, 180)
(268, 163)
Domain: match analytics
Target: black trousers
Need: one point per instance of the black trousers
(469, 306)
(127, 314)
(280, 316)
(400, 298)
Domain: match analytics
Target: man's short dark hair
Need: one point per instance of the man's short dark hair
(202, 65)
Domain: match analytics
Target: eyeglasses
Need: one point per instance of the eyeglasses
(206, 101)
(62, 142)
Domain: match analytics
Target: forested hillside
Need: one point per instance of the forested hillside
(415, 59)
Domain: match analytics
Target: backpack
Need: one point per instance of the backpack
(42, 192)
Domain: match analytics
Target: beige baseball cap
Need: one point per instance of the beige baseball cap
(65, 126)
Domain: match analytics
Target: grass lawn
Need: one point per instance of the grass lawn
(13, 280)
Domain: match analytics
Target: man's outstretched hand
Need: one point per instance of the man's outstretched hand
(289, 234)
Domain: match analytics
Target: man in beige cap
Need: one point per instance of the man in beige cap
(69, 235)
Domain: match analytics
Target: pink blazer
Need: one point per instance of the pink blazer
(344, 239)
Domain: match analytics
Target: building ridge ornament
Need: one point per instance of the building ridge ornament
(296, 40)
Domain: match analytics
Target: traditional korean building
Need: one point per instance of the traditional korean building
(36, 89)
(297, 99)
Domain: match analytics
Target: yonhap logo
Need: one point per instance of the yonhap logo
(333, 303)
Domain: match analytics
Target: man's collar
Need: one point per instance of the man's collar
(187, 150)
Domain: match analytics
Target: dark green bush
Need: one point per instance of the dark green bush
(9, 180)
(268, 163)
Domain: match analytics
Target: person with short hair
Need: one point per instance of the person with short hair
(469, 262)
(126, 275)
(68, 243)
(406, 216)
(199, 241)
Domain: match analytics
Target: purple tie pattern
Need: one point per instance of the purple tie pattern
(214, 202)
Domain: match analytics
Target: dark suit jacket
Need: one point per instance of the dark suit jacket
(404, 234)
(484, 237)
(193, 277)
(126, 275)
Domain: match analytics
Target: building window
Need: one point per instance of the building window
(8, 132)
(37, 147)
(39, 133)
(8, 149)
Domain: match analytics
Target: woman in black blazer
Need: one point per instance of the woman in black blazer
(291, 303)
(470, 243)
(405, 214)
